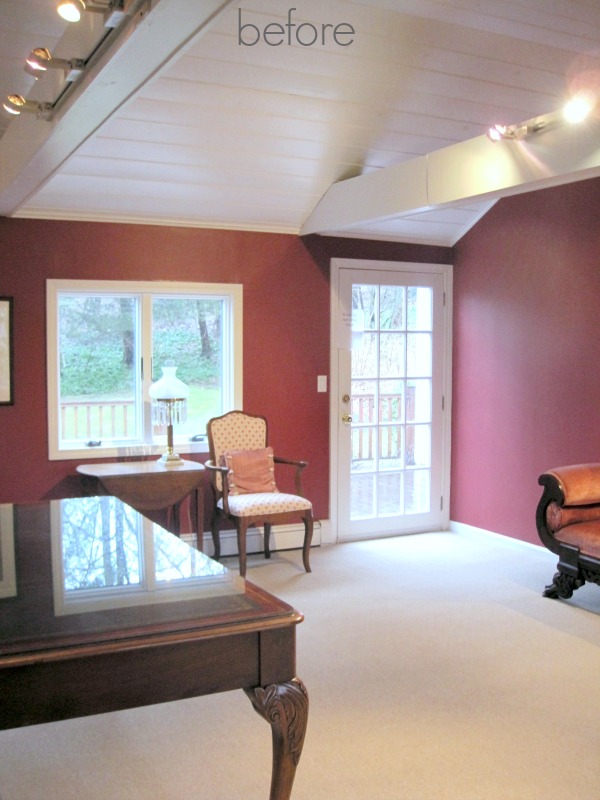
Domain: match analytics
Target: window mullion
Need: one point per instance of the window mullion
(145, 334)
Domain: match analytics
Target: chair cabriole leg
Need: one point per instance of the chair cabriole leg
(308, 534)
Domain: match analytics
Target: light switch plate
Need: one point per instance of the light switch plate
(321, 383)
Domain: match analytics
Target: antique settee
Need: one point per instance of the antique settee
(568, 523)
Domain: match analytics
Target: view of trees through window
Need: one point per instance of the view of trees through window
(101, 346)
(188, 332)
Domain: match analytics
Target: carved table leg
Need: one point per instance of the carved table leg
(285, 707)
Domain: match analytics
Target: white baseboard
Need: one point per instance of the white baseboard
(471, 530)
(283, 537)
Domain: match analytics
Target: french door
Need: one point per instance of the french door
(390, 411)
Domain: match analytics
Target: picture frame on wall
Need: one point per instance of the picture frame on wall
(6, 351)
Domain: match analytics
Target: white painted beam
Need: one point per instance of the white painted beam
(480, 169)
(475, 170)
(375, 196)
(33, 149)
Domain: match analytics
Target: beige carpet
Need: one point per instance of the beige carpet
(435, 670)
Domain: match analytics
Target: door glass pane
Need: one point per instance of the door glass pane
(390, 494)
(392, 315)
(365, 307)
(363, 402)
(391, 438)
(187, 331)
(418, 401)
(418, 445)
(391, 405)
(364, 357)
(362, 497)
(391, 413)
(419, 308)
(364, 450)
(98, 373)
(418, 355)
(417, 491)
(391, 355)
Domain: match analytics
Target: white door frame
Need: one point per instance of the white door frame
(394, 266)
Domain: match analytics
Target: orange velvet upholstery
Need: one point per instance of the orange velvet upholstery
(568, 524)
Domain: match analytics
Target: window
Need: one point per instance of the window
(108, 341)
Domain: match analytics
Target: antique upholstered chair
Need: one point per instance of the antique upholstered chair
(568, 523)
(242, 467)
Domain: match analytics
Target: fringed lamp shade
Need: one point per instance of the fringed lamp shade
(169, 406)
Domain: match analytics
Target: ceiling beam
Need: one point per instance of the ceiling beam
(477, 169)
(33, 149)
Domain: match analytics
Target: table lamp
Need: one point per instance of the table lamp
(169, 405)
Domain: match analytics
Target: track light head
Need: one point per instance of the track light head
(498, 132)
(40, 60)
(579, 107)
(114, 11)
(71, 10)
(16, 103)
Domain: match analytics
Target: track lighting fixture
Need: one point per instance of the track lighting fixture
(575, 110)
(114, 10)
(16, 103)
(40, 60)
(497, 132)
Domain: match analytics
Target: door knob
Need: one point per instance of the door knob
(346, 418)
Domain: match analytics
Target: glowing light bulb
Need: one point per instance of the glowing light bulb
(578, 107)
(71, 10)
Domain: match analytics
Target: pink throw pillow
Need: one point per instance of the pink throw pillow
(250, 471)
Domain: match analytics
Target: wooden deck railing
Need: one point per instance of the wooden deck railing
(390, 434)
(93, 420)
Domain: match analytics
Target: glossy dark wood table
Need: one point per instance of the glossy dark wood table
(102, 610)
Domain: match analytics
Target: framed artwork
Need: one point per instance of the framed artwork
(6, 351)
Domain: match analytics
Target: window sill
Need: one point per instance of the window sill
(184, 449)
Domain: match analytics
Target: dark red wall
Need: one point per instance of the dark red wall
(526, 332)
(526, 361)
(286, 327)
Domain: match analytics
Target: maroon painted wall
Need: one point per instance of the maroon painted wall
(286, 327)
(526, 367)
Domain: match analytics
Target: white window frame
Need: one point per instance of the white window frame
(232, 358)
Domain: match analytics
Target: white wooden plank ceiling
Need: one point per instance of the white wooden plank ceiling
(205, 131)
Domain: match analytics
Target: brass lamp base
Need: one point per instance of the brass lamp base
(171, 460)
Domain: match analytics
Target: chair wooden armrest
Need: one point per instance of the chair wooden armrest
(222, 492)
(299, 466)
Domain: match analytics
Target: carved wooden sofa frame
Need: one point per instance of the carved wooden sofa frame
(568, 523)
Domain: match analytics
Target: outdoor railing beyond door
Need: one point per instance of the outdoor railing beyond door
(390, 431)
